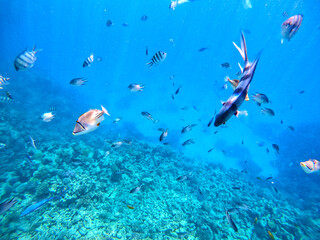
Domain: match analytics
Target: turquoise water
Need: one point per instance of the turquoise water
(184, 189)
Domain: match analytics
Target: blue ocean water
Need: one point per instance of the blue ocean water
(273, 197)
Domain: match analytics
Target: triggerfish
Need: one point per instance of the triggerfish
(89, 121)
(231, 106)
(310, 166)
(290, 27)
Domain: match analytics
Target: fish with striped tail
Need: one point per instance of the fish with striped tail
(157, 58)
(290, 27)
(26, 59)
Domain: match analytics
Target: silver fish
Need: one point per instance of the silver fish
(290, 27)
(33, 143)
(260, 98)
(26, 59)
(6, 205)
(188, 142)
(78, 81)
(182, 178)
(267, 111)
(134, 87)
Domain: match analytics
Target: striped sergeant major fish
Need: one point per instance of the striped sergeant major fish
(231, 106)
(5, 99)
(88, 61)
(290, 27)
(3, 81)
(26, 59)
(157, 58)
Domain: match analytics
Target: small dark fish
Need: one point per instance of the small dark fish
(188, 142)
(259, 178)
(172, 96)
(291, 128)
(271, 235)
(301, 92)
(147, 115)
(195, 108)
(230, 221)
(267, 111)
(260, 144)
(164, 135)
(6, 205)
(161, 129)
(136, 189)
(225, 65)
(200, 192)
(78, 81)
(215, 132)
(210, 150)
(268, 178)
(290, 107)
(178, 90)
(281, 122)
(275, 189)
(147, 51)
(223, 151)
(267, 149)
(9, 95)
(109, 23)
(88, 61)
(242, 142)
(130, 207)
(236, 188)
(166, 143)
(203, 49)
(182, 178)
(157, 58)
(185, 108)
(144, 18)
(125, 24)
(29, 159)
(276, 148)
(188, 128)
(37, 205)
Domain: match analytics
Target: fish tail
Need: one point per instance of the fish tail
(227, 79)
(241, 69)
(105, 110)
(243, 49)
(149, 64)
(36, 51)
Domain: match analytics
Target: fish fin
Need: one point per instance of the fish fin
(247, 97)
(243, 49)
(227, 79)
(223, 103)
(149, 64)
(105, 111)
(236, 113)
(241, 69)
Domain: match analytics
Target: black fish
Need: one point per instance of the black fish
(125, 24)
(276, 148)
(236, 188)
(203, 49)
(268, 178)
(109, 23)
(144, 18)
(301, 92)
(182, 178)
(178, 90)
(267, 149)
(9, 95)
(210, 150)
(136, 189)
(172, 96)
(225, 65)
(291, 128)
(230, 221)
(281, 122)
(147, 51)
